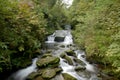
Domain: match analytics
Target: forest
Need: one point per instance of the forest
(25, 24)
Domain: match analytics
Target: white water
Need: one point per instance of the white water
(67, 3)
(69, 69)
(23, 73)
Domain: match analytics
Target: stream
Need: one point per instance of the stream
(59, 42)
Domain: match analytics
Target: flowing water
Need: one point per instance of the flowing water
(88, 74)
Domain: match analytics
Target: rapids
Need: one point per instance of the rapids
(57, 50)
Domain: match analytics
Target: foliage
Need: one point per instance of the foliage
(22, 32)
(24, 25)
(97, 29)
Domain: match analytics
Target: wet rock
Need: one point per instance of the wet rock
(79, 62)
(84, 74)
(58, 70)
(48, 73)
(68, 77)
(59, 39)
(48, 61)
(58, 77)
(62, 46)
(32, 76)
(83, 56)
(69, 60)
(80, 68)
(62, 55)
(49, 51)
(39, 78)
(70, 53)
(46, 55)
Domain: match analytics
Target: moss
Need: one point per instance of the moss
(68, 77)
(47, 61)
(48, 73)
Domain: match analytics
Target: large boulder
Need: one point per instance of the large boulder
(48, 61)
(60, 35)
(68, 77)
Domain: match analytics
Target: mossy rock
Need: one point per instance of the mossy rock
(62, 55)
(39, 78)
(80, 68)
(32, 76)
(79, 62)
(46, 55)
(68, 77)
(47, 61)
(58, 70)
(62, 46)
(48, 73)
(70, 53)
(69, 60)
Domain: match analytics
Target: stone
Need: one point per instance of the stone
(59, 39)
(46, 55)
(60, 35)
(70, 53)
(84, 74)
(68, 77)
(32, 76)
(48, 73)
(39, 78)
(80, 68)
(79, 62)
(58, 69)
(62, 46)
(62, 55)
(48, 61)
(69, 60)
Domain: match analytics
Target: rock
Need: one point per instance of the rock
(59, 39)
(79, 62)
(60, 35)
(58, 70)
(39, 78)
(71, 53)
(62, 46)
(48, 73)
(46, 55)
(32, 76)
(62, 55)
(69, 60)
(80, 68)
(58, 77)
(49, 51)
(84, 74)
(48, 61)
(68, 77)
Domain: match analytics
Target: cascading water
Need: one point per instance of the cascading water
(67, 68)
(23, 73)
(67, 3)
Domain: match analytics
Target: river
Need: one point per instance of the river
(59, 42)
